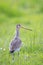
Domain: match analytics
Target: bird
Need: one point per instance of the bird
(16, 43)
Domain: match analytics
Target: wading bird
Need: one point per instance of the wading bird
(16, 43)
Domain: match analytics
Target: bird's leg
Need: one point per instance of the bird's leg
(18, 54)
(12, 56)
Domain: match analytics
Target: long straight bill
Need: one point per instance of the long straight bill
(26, 28)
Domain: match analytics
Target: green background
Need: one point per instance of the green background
(28, 13)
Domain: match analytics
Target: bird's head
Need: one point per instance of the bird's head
(18, 26)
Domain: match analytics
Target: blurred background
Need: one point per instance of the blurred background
(28, 13)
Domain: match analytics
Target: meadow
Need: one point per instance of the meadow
(28, 13)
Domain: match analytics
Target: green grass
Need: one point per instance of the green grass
(30, 15)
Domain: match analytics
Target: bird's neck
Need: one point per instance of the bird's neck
(17, 33)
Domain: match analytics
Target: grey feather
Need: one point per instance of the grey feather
(15, 44)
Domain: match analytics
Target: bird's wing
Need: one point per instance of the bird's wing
(15, 44)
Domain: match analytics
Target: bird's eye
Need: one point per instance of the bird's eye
(19, 24)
